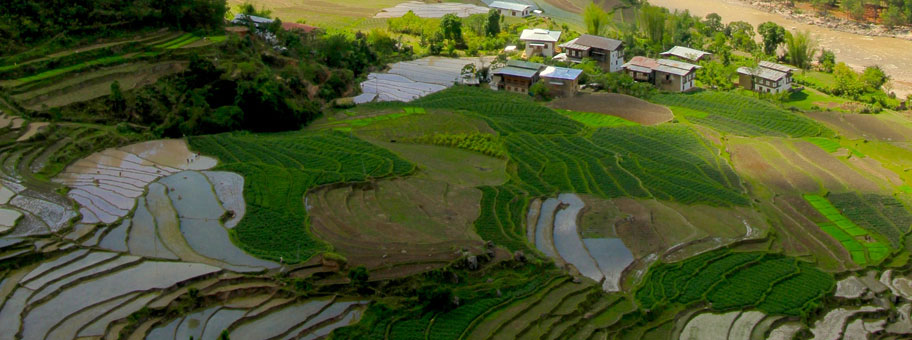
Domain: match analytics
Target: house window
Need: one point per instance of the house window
(667, 77)
(514, 13)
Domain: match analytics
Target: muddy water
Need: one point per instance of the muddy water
(858, 51)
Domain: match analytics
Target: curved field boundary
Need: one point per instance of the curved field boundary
(278, 170)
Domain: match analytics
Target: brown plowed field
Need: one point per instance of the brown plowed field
(619, 105)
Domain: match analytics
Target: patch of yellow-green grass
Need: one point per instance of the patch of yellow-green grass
(682, 113)
(827, 144)
(62, 70)
(848, 233)
(894, 157)
(596, 120)
(812, 100)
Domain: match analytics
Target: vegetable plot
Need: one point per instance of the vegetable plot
(278, 170)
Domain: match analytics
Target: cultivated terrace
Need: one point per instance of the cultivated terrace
(393, 169)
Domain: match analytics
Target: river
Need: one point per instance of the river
(858, 51)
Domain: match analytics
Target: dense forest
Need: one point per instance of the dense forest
(24, 23)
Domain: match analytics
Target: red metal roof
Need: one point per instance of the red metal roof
(291, 26)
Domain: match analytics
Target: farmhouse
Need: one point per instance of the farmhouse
(563, 82)
(518, 76)
(511, 9)
(665, 74)
(609, 53)
(540, 42)
(244, 19)
(766, 78)
(686, 53)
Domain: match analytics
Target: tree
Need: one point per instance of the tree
(800, 49)
(773, 36)
(596, 19)
(875, 77)
(451, 26)
(827, 60)
(742, 35)
(893, 16)
(855, 8)
(540, 90)
(653, 18)
(492, 28)
(847, 81)
(713, 23)
(117, 101)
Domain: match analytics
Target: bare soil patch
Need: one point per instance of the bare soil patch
(619, 105)
(391, 223)
(862, 126)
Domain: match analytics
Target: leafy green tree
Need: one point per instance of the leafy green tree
(653, 18)
(451, 26)
(855, 8)
(827, 60)
(492, 28)
(893, 16)
(773, 36)
(596, 19)
(713, 23)
(249, 8)
(117, 101)
(800, 49)
(848, 83)
(875, 77)
(742, 35)
(540, 90)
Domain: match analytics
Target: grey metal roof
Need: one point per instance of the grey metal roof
(561, 73)
(516, 72)
(253, 18)
(678, 64)
(594, 41)
(763, 73)
(685, 53)
(637, 68)
(774, 66)
(673, 70)
(509, 5)
(524, 64)
(574, 46)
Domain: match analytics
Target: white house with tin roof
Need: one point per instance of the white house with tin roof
(665, 74)
(540, 41)
(767, 77)
(511, 9)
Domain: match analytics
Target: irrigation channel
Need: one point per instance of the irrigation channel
(556, 235)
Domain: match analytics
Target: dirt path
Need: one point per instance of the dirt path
(855, 50)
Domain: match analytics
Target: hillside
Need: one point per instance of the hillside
(171, 183)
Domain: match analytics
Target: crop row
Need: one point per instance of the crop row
(732, 280)
(483, 143)
(884, 215)
(279, 170)
(668, 163)
(505, 112)
(844, 229)
(501, 217)
(596, 120)
(743, 115)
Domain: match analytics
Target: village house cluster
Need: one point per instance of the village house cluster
(674, 72)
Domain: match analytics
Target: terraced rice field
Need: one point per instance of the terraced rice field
(731, 280)
(87, 73)
(742, 115)
(278, 171)
(409, 80)
(865, 246)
